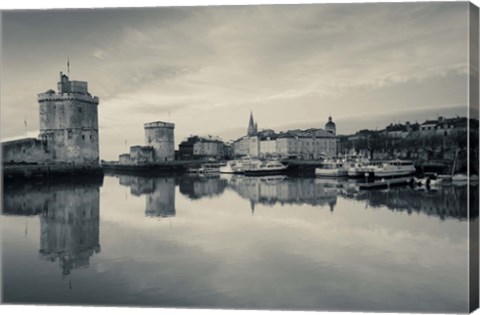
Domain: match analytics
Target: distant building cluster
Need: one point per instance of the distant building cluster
(159, 137)
(440, 139)
(444, 126)
(313, 143)
(307, 144)
(68, 128)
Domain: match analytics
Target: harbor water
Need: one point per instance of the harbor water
(236, 242)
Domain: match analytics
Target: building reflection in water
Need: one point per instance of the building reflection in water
(272, 190)
(69, 218)
(200, 186)
(448, 201)
(159, 191)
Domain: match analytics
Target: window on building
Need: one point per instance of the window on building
(83, 137)
(79, 109)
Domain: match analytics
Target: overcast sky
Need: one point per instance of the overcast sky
(205, 68)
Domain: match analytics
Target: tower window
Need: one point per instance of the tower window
(83, 137)
(79, 109)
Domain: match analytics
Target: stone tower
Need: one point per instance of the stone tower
(330, 126)
(252, 126)
(69, 122)
(159, 135)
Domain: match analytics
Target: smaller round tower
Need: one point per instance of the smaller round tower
(330, 126)
(159, 135)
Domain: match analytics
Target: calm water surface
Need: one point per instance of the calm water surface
(236, 242)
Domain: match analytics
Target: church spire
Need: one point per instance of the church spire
(251, 126)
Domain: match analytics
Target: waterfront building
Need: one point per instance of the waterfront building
(68, 128)
(246, 146)
(197, 147)
(313, 143)
(444, 126)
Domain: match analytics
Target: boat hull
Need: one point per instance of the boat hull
(229, 170)
(387, 173)
(262, 172)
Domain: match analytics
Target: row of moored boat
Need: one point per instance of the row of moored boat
(365, 168)
(247, 167)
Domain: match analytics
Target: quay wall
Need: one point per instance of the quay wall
(36, 171)
(28, 150)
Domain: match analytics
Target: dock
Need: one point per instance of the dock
(164, 167)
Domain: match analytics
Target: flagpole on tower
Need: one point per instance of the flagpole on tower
(68, 66)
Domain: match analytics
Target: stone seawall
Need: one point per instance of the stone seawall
(32, 171)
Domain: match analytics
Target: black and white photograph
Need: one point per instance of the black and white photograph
(285, 157)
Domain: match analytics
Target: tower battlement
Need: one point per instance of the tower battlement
(159, 124)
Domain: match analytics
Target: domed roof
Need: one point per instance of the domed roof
(330, 124)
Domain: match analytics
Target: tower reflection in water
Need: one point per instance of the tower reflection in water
(159, 191)
(69, 218)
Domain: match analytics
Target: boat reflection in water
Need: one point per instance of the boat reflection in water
(446, 201)
(69, 218)
(280, 189)
(159, 191)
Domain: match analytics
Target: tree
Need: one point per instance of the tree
(414, 142)
(371, 142)
(432, 143)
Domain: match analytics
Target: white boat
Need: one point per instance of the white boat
(332, 168)
(232, 167)
(207, 168)
(264, 168)
(239, 166)
(394, 168)
(427, 182)
(357, 167)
